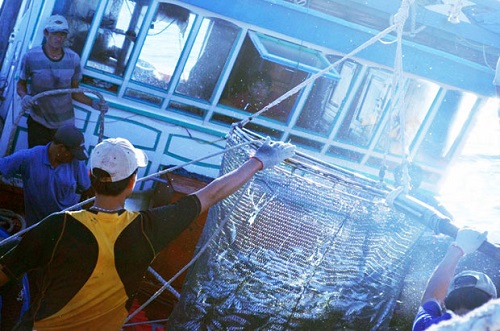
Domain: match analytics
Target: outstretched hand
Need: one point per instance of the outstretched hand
(272, 153)
(469, 239)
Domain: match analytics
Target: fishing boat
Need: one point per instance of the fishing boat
(360, 87)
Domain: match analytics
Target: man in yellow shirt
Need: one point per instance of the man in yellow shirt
(88, 264)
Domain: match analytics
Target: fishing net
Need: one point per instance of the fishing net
(302, 246)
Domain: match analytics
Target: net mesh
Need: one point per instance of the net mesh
(299, 247)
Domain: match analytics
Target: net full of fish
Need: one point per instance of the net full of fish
(297, 250)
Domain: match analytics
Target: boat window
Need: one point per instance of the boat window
(189, 110)
(117, 35)
(79, 15)
(326, 99)
(143, 96)
(445, 133)
(291, 55)
(207, 58)
(255, 82)
(163, 45)
(419, 97)
(365, 113)
(311, 144)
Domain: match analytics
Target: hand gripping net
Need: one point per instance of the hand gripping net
(301, 247)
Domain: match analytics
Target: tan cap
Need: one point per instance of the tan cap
(118, 157)
(57, 23)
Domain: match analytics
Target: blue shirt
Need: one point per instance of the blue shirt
(46, 189)
(428, 314)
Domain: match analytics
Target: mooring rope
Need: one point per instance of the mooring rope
(55, 92)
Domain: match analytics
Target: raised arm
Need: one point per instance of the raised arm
(268, 155)
(467, 241)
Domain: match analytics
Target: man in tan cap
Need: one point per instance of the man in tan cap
(51, 67)
(90, 263)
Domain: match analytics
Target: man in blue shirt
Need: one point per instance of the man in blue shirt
(446, 296)
(54, 176)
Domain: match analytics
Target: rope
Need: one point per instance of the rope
(54, 92)
(455, 12)
(397, 92)
(399, 18)
(11, 221)
(193, 260)
(78, 205)
(318, 74)
(161, 280)
(167, 284)
(159, 173)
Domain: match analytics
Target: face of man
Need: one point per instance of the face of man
(55, 39)
(63, 154)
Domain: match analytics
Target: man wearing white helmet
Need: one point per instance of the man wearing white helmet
(446, 295)
(89, 264)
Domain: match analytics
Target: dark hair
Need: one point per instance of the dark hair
(466, 298)
(108, 188)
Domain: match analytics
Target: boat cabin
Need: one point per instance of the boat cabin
(178, 74)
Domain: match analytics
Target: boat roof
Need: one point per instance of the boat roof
(435, 43)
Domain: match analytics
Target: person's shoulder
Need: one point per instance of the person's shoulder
(36, 50)
(428, 314)
(52, 223)
(433, 306)
(72, 53)
(35, 151)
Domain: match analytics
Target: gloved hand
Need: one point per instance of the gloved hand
(100, 106)
(272, 153)
(469, 239)
(27, 102)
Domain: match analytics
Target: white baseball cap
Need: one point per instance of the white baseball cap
(57, 23)
(118, 157)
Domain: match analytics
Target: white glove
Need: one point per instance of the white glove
(100, 106)
(469, 239)
(27, 102)
(272, 153)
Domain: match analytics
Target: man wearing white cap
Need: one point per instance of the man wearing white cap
(90, 263)
(51, 67)
(446, 295)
